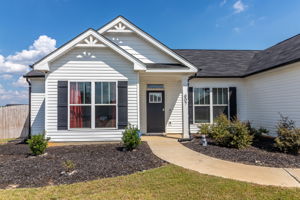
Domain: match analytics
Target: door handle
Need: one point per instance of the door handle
(163, 109)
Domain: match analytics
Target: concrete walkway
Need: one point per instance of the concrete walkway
(169, 149)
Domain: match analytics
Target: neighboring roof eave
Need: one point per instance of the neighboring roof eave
(34, 74)
(69, 45)
(149, 38)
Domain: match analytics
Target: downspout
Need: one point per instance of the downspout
(190, 135)
(29, 109)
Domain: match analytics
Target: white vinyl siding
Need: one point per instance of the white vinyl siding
(173, 102)
(94, 64)
(37, 106)
(140, 48)
(223, 83)
(273, 92)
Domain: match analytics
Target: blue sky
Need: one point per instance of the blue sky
(32, 28)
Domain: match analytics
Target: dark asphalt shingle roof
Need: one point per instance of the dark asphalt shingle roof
(219, 63)
(34, 74)
(241, 63)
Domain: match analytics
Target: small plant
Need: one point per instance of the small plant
(131, 138)
(204, 129)
(231, 134)
(38, 144)
(288, 139)
(69, 165)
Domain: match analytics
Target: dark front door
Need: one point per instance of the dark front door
(155, 111)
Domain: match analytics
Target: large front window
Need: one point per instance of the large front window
(92, 105)
(209, 103)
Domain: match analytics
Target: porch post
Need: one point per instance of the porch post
(185, 107)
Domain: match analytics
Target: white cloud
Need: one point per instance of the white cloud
(18, 63)
(21, 82)
(239, 6)
(12, 95)
(6, 76)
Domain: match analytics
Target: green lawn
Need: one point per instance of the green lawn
(168, 182)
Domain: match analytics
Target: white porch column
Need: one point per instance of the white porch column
(185, 107)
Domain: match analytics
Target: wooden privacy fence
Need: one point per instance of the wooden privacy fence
(14, 121)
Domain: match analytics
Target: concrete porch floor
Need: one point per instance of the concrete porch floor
(169, 149)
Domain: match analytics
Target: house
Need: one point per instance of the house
(93, 86)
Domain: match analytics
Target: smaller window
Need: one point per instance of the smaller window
(155, 86)
(155, 97)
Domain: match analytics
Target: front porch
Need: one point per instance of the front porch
(163, 104)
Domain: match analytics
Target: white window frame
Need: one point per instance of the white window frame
(93, 104)
(211, 104)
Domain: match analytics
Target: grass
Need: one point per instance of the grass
(167, 182)
(4, 141)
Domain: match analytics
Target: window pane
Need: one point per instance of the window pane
(207, 100)
(201, 96)
(202, 114)
(105, 117)
(196, 96)
(215, 96)
(225, 95)
(80, 93)
(105, 92)
(220, 98)
(80, 116)
(113, 92)
(218, 110)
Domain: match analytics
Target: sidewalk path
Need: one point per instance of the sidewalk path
(173, 152)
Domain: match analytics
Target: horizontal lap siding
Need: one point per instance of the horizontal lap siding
(37, 106)
(274, 92)
(140, 48)
(224, 82)
(89, 64)
(173, 103)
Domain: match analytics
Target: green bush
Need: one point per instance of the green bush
(288, 139)
(204, 129)
(131, 138)
(38, 144)
(231, 134)
(240, 135)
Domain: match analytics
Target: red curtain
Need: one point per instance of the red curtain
(76, 119)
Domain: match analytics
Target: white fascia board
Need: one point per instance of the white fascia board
(43, 64)
(169, 70)
(148, 38)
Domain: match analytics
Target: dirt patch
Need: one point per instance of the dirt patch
(91, 162)
(261, 153)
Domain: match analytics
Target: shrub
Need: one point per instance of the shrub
(131, 138)
(204, 129)
(69, 165)
(231, 134)
(288, 139)
(38, 144)
(240, 135)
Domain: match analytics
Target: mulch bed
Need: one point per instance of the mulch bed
(262, 153)
(94, 161)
